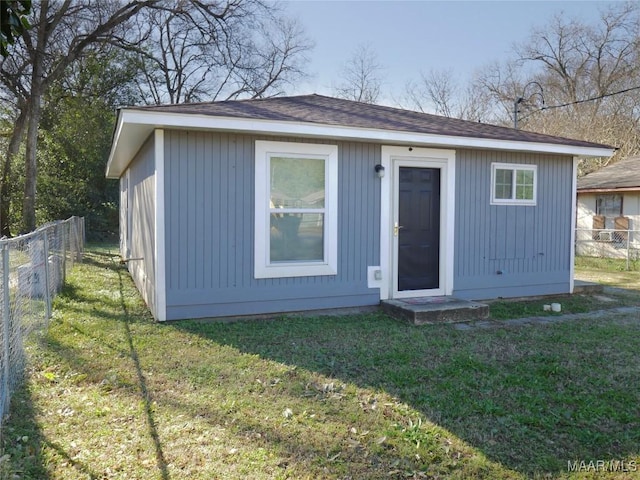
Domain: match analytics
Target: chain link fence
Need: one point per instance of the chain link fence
(33, 268)
(609, 243)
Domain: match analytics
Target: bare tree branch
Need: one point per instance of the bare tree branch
(361, 77)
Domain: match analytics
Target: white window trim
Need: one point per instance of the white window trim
(329, 266)
(514, 167)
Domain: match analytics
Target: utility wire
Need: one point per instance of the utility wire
(591, 99)
(581, 101)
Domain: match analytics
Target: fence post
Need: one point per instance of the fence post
(628, 245)
(83, 239)
(76, 238)
(6, 320)
(64, 253)
(47, 282)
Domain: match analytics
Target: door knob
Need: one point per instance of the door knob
(396, 229)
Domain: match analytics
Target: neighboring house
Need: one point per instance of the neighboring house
(609, 210)
(311, 202)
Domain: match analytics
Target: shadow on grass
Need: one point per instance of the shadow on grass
(21, 441)
(30, 463)
(142, 384)
(531, 398)
(23, 444)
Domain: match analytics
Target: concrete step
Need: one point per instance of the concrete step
(424, 310)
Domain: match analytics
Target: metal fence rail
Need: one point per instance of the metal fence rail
(33, 268)
(608, 243)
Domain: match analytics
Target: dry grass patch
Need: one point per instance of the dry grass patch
(609, 271)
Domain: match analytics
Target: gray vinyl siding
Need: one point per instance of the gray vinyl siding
(209, 225)
(142, 202)
(530, 245)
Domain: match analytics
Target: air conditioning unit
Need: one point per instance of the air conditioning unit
(606, 236)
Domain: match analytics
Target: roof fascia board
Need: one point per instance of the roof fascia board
(608, 189)
(114, 141)
(181, 120)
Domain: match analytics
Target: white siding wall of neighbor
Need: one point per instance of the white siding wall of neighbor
(507, 250)
(586, 209)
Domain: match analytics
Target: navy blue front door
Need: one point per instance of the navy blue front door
(419, 228)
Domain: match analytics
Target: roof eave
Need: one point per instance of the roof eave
(608, 189)
(140, 123)
(115, 144)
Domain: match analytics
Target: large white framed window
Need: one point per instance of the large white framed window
(513, 184)
(296, 209)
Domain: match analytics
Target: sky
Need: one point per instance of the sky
(410, 37)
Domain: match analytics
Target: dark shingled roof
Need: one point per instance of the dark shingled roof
(324, 110)
(624, 174)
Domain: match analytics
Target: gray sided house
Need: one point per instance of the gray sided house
(310, 202)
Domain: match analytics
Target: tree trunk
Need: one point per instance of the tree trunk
(31, 164)
(33, 121)
(5, 190)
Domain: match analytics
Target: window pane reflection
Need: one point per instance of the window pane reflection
(297, 237)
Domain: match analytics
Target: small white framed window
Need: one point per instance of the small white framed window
(296, 209)
(513, 184)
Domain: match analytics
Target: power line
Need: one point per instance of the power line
(581, 101)
(591, 99)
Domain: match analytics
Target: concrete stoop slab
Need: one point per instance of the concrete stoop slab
(428, 310)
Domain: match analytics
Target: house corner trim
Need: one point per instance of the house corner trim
(160, 253)
(574, 207)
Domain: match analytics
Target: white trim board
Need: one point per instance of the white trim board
(572, 225)
(160, 253)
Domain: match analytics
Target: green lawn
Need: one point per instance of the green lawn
(111, 394)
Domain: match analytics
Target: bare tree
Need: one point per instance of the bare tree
(197, 48)
(441, 93)
(574, 79)
(435, 91)
(503, 84)
(569, 78)
(61, 31)
(361, 77)
(580, 60)
(207, 51)
(589, 72)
